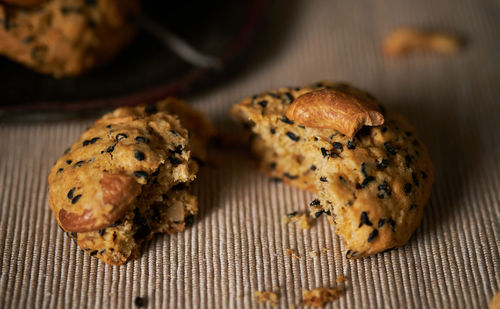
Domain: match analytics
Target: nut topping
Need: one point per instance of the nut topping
(335, 109)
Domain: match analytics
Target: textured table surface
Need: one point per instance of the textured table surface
(237, 244)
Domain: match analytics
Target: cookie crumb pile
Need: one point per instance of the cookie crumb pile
(128, 177)
(266, 297)
(371, 172)
(320, 296)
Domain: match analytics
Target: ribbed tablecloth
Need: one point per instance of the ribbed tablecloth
(237, 244)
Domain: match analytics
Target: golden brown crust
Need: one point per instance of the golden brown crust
(320, 296)
(335, 109)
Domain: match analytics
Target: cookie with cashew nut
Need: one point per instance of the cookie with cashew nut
(128, 177)
(371, 172)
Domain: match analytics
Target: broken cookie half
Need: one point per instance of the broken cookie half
(128, 177)
(370, 170)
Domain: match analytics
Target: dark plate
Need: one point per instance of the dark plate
(146, 70)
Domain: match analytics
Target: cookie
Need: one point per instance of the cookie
(128, 177)
(23, 3)
(370, 170)
(67, 37)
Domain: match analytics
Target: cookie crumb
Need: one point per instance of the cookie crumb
(320, 296)
(324, 249)
(341, 279)
(301, 218)
(290, 252)
(313, 254)
(266, 296)
(406, 40)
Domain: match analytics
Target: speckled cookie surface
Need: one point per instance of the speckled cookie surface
(67, 37)
(373, 186)
(126, 178)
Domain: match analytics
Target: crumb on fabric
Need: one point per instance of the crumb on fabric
(301, 218)
(405, 40)
(324, 249)
(266, 297)
(341, 279)
(290, 252)
(313, 254)
(320, 296)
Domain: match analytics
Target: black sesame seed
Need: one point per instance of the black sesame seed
(79, 163)
(351, 144)
(313, 167)
(291, 177)
(413, 206)
(389, 148)
(319, 213)
(337, 146)
(110, 149)
(75, 199)
(292, 136)
(407, 188)
(324, 152)
(315, 138)
(424, 174)
(177, 149)
(408, 161)
(121, 136)
(272, 130)
(93, 253)
(383, 129)
(372, 235)
(381, 222)
(363, 169)
(415, 178)
(286, 120)
(289, 96)
(174, 132)
(141, 139)
(347, 254)
(151, 109)
(60, 170)
(384, 187)
(116, 223)
(263, 103)
(366, 181)
(102, 251)
(408, 133)
(108, 126)
(139, 155)
(272, 165)
(174, 160)
(276, 179)
(383, 164)
(315, 202)
(68, 162)
(141, 174)
(86, 142)
(342, 179)
(28, 39)
(392, 223)
(292, 214)
(301, 126)
(364, 219)
(101, 232)
(274, 95)
(323, 179)
(71, 192)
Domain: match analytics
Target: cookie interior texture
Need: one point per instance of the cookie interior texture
(128, 177)
(67, 37)
(373, 187)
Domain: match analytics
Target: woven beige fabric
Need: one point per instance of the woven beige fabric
(237, 244)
